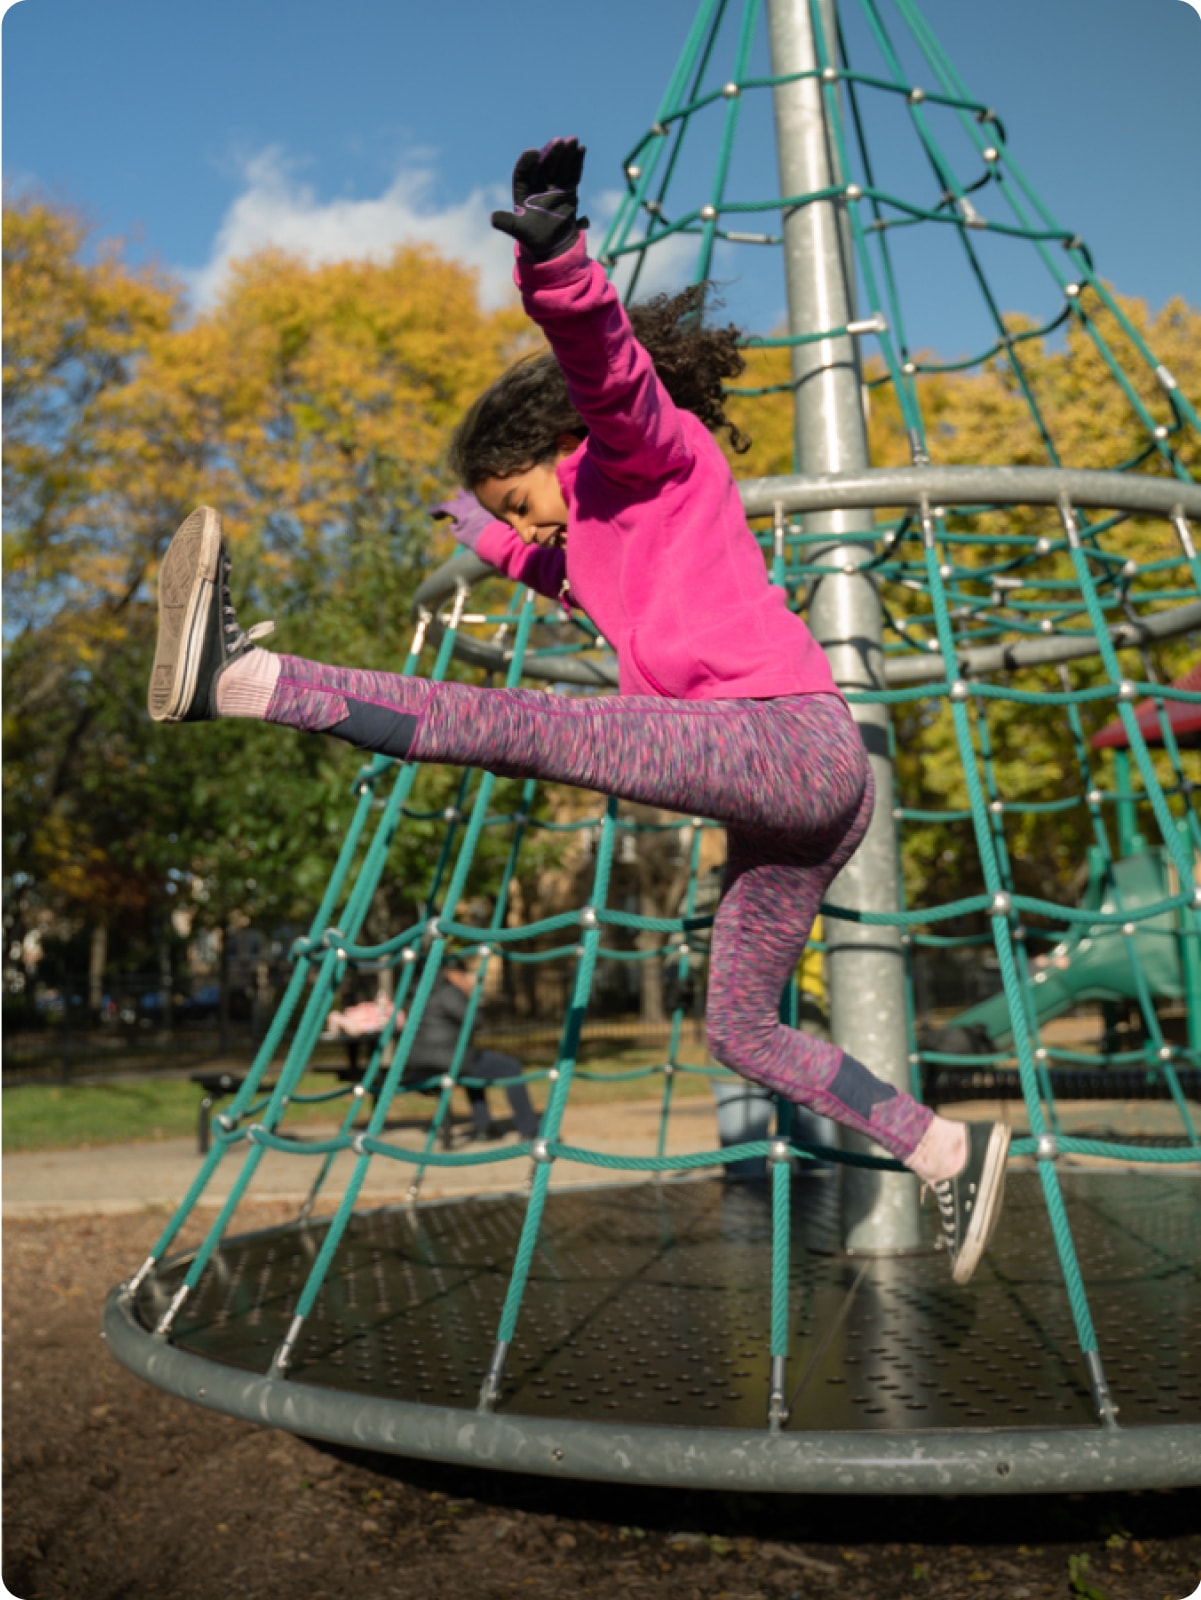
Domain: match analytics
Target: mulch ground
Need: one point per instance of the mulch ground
(115, 1491)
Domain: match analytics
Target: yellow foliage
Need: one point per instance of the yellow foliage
(313, 404)
(1055, 402)
(307, 376)
(983, 416)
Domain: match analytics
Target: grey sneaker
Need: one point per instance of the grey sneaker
(970, 1202)
(198, 633)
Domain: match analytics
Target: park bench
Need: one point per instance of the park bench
(216, 1086)
(361, 1025)
(943, 1085)
(352, 1072)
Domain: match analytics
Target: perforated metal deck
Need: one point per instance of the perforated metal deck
(648, 1307)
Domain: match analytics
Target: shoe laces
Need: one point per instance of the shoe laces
(237, 638)
(943, 1190)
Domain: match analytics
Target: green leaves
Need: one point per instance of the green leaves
(311, 406)
(1080, 1582)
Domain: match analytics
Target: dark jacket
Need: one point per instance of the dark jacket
(438, 1032)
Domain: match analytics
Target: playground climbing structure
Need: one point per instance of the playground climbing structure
(985, 615)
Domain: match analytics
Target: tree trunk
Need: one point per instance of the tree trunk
(261, 1015)
(164, 977)
(650, 972)
(97, 963)
(223, 994)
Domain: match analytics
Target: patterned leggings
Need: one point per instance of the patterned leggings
(788, 778)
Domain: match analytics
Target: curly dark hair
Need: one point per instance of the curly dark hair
(516, 423)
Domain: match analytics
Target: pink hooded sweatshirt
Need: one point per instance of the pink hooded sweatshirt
(658, 551)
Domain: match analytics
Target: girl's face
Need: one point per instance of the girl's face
(531, 501)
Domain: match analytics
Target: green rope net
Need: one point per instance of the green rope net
(1023, 606)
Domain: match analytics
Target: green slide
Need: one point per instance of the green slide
(1102, 962)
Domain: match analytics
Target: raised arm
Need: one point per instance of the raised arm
(634, 432)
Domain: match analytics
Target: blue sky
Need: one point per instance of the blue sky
(197, 132)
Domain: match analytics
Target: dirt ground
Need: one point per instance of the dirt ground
(115, 1491)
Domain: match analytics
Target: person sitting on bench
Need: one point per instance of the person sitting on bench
(437, 1039)
(361, 1024)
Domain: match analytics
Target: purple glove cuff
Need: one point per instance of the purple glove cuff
(467, 516)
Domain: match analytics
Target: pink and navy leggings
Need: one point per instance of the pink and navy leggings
(789, 779)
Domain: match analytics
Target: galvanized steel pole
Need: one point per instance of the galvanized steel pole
(865, 978)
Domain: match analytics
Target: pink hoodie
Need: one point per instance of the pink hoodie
(658, 552)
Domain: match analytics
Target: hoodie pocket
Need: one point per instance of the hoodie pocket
(644, 671)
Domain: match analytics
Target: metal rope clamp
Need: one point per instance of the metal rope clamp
(1046, 1147)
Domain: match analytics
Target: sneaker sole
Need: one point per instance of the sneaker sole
(987, 1207)
(187, 585)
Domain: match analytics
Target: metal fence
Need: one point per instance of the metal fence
(138, 1028)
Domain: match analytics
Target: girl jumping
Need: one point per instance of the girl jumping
(592, 475)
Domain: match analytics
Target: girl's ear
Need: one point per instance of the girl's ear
(565, 444)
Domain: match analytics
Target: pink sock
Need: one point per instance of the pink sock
(941, 1151)
(245, 686)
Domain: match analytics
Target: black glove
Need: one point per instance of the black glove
(543, 219)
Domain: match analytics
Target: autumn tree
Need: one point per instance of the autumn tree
(1048, 403)
(77, 552)
(312, 405)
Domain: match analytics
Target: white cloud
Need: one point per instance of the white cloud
(667, 266)
(276, 208)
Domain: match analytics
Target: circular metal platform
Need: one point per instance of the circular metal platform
(641, 1352)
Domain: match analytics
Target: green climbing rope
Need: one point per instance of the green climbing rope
(952, 579)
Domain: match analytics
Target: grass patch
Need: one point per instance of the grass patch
(623, 1074)
(74, 1116)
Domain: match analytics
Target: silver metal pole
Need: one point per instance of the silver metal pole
(865, 979)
